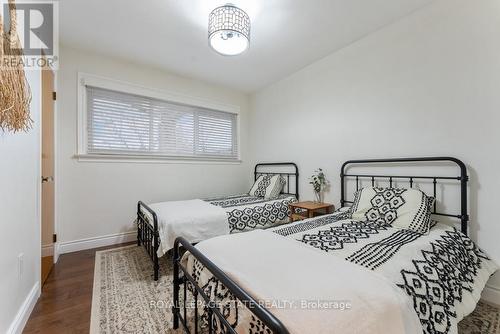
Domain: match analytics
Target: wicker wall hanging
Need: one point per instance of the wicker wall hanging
(15, 93)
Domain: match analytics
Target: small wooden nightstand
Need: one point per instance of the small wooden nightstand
(312, 209)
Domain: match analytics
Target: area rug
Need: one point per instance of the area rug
(126, 299)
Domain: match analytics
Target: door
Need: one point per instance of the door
(48, 186)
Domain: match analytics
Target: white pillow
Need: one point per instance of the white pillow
(268, 186)
(402, 208)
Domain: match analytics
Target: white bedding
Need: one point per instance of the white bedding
(286, 281)
(441, 274)
(198, 219)
(195, 220)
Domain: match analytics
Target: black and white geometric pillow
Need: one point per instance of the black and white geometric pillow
(268, 186)
(259, 187)
(401, 208)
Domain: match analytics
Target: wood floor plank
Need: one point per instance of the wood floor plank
(66, 300)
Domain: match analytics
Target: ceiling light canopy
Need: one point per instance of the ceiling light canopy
(229, 30)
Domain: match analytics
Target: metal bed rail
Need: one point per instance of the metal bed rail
(147, 234)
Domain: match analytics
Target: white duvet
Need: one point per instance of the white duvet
(399, 276)
(195, 220)
(287, 282)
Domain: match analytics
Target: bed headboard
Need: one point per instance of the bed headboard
(462, 179)
(288, 170)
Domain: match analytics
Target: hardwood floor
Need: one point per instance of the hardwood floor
(65, 303)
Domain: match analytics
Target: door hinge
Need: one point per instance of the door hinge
(54, 96)
(54, 237)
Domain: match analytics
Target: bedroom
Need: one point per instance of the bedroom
(321, 83)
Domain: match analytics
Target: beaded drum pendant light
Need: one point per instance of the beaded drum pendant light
(229, 30)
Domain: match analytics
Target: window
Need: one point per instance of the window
(124, 124)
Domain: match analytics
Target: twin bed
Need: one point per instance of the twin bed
(338, 272)
(159, 224)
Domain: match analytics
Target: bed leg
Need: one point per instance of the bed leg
(156, 266)
(139, 222)
(138, 233)
(156, 245)
(175, 307)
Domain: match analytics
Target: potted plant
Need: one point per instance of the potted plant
(319, 182)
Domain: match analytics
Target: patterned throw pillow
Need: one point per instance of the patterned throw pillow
(402, 208)
(268, 186)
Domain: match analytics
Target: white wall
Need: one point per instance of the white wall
(98, 199)
(426, 85)
(20, 217)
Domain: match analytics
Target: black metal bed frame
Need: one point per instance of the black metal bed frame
(257, 309)
(147, 232)
(463, 178)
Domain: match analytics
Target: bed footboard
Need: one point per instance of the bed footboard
(184, 278)
(147, 234)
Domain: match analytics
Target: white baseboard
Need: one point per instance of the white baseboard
(491, 294)
(24, 312)
(57, 251)
(47, 250)
(89, 243)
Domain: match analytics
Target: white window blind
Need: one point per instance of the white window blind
(126, 124)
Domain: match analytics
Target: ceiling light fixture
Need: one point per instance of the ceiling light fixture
(229, 30)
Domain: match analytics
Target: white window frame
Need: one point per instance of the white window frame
(85, 79)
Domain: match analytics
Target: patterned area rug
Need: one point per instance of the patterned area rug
(127, 300)
(484, 320)
(125, 297)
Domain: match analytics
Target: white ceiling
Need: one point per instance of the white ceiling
(172, 34)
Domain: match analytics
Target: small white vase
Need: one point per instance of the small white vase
(319, 196)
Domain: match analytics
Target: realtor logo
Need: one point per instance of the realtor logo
(37, 29)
